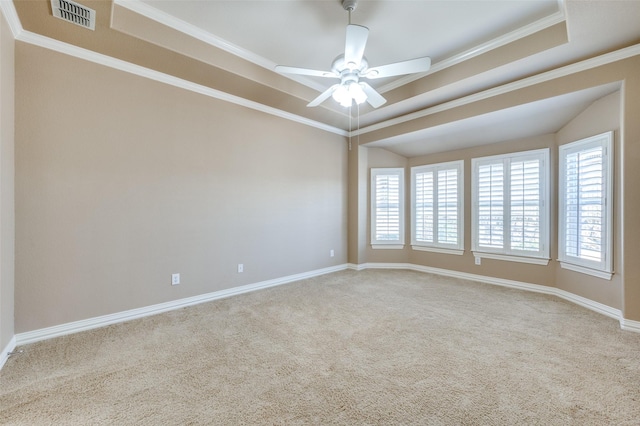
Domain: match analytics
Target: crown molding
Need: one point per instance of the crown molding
(163, 18)
(8, 9)
(179, 25)
(197, 33)
(108, 61)
(607, 58)
(497, 42)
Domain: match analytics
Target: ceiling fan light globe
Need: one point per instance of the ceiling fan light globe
(356, 92)
(340, 93)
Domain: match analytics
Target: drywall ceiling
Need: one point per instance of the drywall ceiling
(229, 49)
(536, 118)
(311, 34)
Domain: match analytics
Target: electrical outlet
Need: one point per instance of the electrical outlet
(240, 267)
(331, 253)
(478, 260)
(175, 279)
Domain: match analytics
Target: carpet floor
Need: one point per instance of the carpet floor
(367, 348)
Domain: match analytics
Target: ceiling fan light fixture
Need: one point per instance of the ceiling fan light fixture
(346, 94)
(352, 66)
(342, 96)
(356, 93)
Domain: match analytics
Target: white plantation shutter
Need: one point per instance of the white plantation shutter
(585, 204)
(448, 202)
(510, 216)
(437, 198)
(490, 215)
(585, 214)
(424, 208)
(387, 207)
(525, 205)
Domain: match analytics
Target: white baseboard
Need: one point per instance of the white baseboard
(101, 321)
(536, 288)
(600, 308)
(630, 325)
(4, 356)
(96, 322)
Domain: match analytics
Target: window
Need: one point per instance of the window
(585, 205)
(387, 208)
(437, 207)
(510, 208)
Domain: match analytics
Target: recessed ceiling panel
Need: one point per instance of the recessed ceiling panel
(310, 34)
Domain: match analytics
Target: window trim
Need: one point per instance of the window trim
(438, 247)
(388, 244)
(513, 258)
(542, 256)
(604, 268)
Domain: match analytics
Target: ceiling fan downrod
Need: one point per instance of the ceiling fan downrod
(352, 66)
(349, 6)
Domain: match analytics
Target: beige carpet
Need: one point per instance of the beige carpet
(371, 347)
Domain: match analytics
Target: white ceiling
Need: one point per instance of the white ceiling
(310, 34)
(537, 118)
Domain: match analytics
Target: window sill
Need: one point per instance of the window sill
(387, 246)
(587, 271)
(457, 252)
(509, 258)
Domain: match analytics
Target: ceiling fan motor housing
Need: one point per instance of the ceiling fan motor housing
(352, 66)
(349, 5)
(339, 65)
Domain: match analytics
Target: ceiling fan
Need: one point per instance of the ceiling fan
(353, 66)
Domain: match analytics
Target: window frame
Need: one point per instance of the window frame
(540, 257)
(437, 246)
(388, 171)
(604, 268)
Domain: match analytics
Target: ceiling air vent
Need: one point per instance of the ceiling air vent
(75, 13)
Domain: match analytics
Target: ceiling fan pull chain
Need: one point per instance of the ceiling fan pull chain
(350, 128)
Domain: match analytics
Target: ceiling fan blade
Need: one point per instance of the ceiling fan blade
(304, 71)
(354, 46)
(374, 98)
(399, 68)
(323, 96)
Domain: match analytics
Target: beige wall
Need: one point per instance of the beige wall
(6, 184)
(377, 157)
(122, 181)
(357, 209)
(534, 274)
(602, 116)
(630, 198)
(616, 112)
